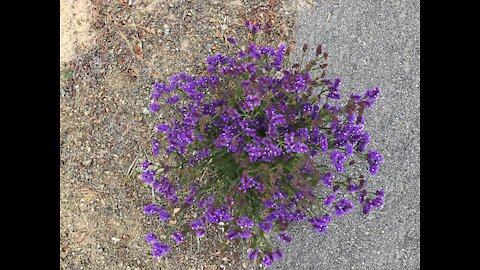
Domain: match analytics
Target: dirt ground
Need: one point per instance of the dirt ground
(111, 53)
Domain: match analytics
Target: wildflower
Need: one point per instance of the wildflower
(267, 261)
(155, 146)
(154, 107)
(343, 207)
(164, 215)
(337, 160)
(318, 51)
(327, 179)
(145, 164)
(245, 234)
(374, 159)
(172, 100)
(151, 237)
(364, 140)
(246, 183)
(159, 249)
(380, 193)
(285, 237)
(149, 176)
(371, 95)
(244, 222)
(265, 226)
(232, 40)
(320, 224)
(330, 198)
(252, 254)
(152, 209)
(277, 254)
(232, 235)
(177, 236)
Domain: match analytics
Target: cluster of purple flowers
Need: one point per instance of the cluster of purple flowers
(155, 209)
(374, 159)
(255, 126)
(158, 248)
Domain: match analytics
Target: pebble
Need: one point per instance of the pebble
(115, 239)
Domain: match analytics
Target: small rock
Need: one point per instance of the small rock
(115, 239)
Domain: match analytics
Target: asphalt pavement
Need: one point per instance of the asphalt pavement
(370, 43)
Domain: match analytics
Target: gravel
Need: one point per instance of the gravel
(371, 43)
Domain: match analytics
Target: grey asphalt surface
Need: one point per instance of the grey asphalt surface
(371, 43)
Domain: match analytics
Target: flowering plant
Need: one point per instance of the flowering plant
(254, 145)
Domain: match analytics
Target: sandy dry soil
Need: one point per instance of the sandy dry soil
(111, 53)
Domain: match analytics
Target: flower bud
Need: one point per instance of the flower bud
(319, 49)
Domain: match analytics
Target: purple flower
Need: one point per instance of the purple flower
(241, 54)
(201, 203)
(162, 127)
(200, 232)
(159, 249)
(360, 120)
(253, 27)
(252, 101)
(149, 176)
(254, 52)
(277, 254)
(145, 164)
(260, 187)
(202, 154)
(375, 202)
(269, 204)
(154, 107)
(320, 224)
(190, 198)
(245, 234)
(232, 40)
(374, 159)
(155, 146)
(252, 254)
(362, 196)
(371, 95)
(265, 226)
(198, 224)
(267, 261)
(152, 209)
(164, 215)
(364, 140)
(337, 160)
(343, 207)
(329, 200)
(246, 183)
(292, 146)
(172, 100)
(285, 237)
(327, 179)
(380, 193)
(232, 235)
(177, 236)
(244, 222)
(151, 237)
